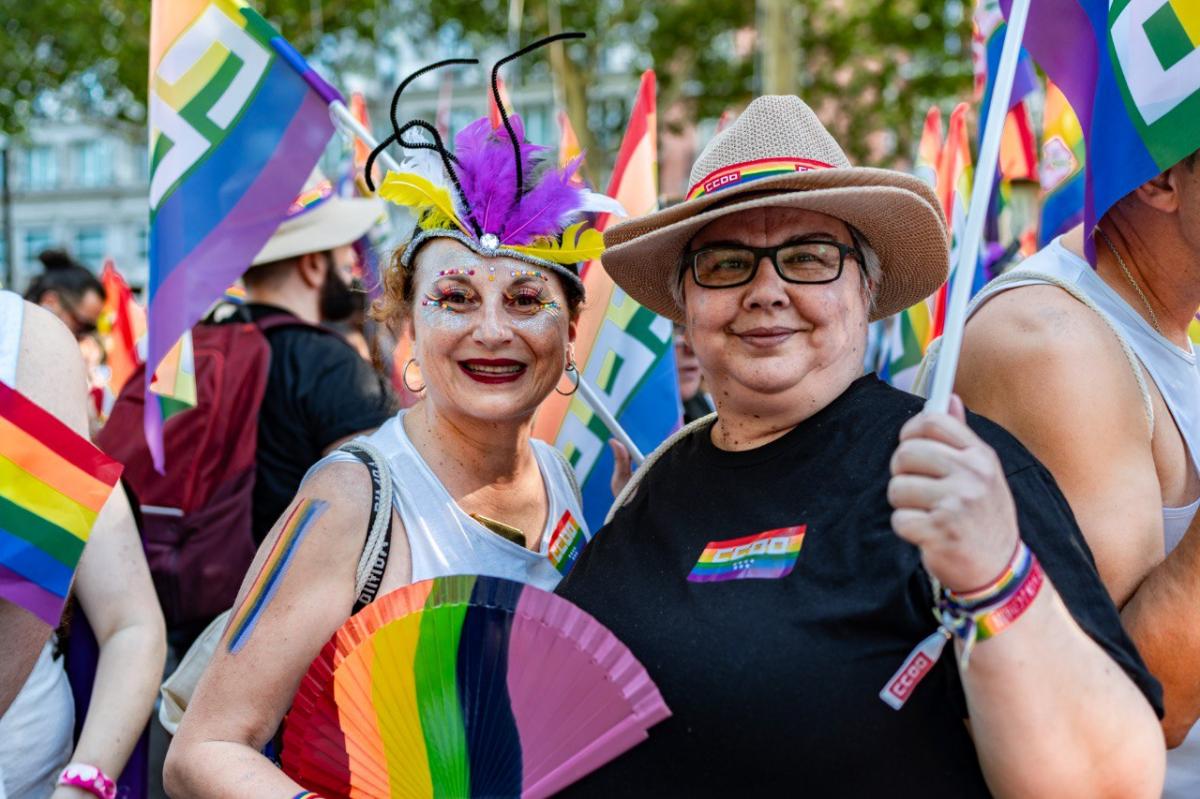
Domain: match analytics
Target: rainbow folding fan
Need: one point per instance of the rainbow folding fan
(466, 686)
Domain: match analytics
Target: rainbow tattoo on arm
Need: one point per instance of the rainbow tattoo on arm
(243, 621)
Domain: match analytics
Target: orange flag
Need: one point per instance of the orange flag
(122, 323)
(493, 110)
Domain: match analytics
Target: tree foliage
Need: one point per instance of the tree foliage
(869, 67)
(94, 54)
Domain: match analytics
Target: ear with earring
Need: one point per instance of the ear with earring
(404, 377)
(569, 371)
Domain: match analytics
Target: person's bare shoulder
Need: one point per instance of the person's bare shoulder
(1050, 370)
(50, 370)
(1038, 349)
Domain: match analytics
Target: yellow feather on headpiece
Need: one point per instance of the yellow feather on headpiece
(411, 190)
(577, 245)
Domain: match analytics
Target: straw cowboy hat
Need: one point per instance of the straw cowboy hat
(777, 153)
(319, 220)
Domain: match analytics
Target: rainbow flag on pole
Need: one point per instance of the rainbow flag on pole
(626, 351)
(1131, 71)
(237, 122)
(53, 483)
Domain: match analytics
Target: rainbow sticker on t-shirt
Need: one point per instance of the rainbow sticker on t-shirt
(566, 542)
(766, 556)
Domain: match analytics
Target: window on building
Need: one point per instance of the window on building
(36, 240)
(41, 169)
(90, 246)
(93, 163)
(143, 244)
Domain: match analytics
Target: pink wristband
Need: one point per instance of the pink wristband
(90, 779)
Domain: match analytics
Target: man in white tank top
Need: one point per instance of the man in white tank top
(1107, 395)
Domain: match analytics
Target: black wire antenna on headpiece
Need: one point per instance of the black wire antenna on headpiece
(512, 134)
(439, 146)
(397, 135)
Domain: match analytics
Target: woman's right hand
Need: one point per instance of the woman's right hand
(952, 499)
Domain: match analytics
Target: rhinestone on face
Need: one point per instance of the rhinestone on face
(489, 240)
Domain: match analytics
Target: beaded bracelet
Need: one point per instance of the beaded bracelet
(88, 778)
(972, 616)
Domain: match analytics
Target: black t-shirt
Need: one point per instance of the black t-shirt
(774, 683)
(318, 390)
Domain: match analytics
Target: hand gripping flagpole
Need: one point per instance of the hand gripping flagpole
(985, 175)
(347, 121)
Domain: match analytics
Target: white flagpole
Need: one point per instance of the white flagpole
(347, 122)
(593, 399)
(985, 174)
(344, 119)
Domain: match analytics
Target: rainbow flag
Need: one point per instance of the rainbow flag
(907, 334)
(1061, 174)
(53, 483)
(237, 122)
(954, 187)
(769, 555)
(122, 323)
(174, 382)
(626, 351)
(1131, 71)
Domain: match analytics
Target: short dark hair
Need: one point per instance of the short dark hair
(1191, 160)
(269, 273)
(65, 276)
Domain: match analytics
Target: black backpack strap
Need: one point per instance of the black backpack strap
(379, 527)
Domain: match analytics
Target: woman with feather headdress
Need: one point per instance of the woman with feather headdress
(488, 288)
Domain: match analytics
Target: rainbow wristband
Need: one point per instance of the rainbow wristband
(996, 621)
(973, 616)
(307, 795)
(1018, 565)
(984, 614)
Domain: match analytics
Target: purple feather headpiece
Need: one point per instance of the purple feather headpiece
(497, 193)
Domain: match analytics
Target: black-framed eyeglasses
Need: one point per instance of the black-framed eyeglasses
(723, 266)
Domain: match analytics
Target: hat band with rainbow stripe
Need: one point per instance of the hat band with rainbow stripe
(737, 174)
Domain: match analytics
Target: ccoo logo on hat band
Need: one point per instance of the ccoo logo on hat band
(737, 174)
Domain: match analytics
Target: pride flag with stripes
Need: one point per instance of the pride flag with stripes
(627, 352)
(53, 483)
(1131, 71)
(237, 122)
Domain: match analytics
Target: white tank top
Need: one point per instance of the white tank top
(1173, 370)
(37, 728)
(444, 540)
(1175, 373)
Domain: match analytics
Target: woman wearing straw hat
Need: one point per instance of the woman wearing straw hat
(775, 566)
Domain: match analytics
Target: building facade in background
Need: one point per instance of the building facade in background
(82, 187)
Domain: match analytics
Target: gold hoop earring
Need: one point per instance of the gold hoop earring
(404, 377)
(570, 368)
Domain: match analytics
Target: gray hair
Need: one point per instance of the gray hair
(872, 269)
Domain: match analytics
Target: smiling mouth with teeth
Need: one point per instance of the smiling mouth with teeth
(497, 371)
